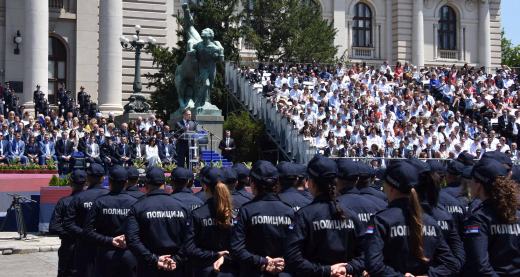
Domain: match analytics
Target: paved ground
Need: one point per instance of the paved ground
(44, 264)
(33, 243)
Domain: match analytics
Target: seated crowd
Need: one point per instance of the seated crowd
(67, 140)
(401, 111)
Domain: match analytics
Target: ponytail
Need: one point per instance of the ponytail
(416, 226)
(504, 196)
(223, 205)
(328, 187)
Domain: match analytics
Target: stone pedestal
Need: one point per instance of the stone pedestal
(131, 116)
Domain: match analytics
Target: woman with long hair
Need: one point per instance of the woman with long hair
(428, 191)
(152, 152)
(208, 241)
(402, 240)
(492, 232)
(325, 238)
(260, 232)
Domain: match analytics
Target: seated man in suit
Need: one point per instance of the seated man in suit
(167, 151)
(138, 149)
(109, 154)
(4, 149)
(227, 146)
(125, 152)
(47, 150)
(17, 150)
(92, 151)
(64, 149)
(32, 150)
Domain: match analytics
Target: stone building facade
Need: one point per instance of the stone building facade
(77, 42)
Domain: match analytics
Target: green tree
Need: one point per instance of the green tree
(311, 38)
(288, 30)
(510, 52)
(248, 134)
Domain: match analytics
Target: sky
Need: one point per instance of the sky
(510, 20)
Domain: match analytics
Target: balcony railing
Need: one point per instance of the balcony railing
(68, 6)
(362, 53)
(449, 54)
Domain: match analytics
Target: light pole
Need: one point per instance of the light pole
(137, 100)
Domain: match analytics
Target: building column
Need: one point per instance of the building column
(485, 35)
(110, 56)
(389, 54)
(36, 50)
(418, 34)
(339, 23)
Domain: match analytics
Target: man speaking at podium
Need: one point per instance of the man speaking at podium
(182, 126)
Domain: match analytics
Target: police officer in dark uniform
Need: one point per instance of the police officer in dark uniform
(428, 191)
(182, 180)
(78, 179)
(84, 252)
(132, 186)
(156, 229)
(243, 180)
(401, 240)
(348, 174)
(230, 178)
(325, 239)
(208, 241)
(289, 177)
(104, 227)
(201, 194)
(492, 232)
(453, 182)
(450, 204)
(261, 227)
(364, 188)
(364, 183)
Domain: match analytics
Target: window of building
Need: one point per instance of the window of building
(447, 29)
(57, 67)
(362, 29)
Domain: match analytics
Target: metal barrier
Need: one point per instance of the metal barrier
(280, 127)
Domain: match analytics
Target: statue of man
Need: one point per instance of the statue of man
(207, 52)
(195, 76)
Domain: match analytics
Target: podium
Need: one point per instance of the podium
(194, 139)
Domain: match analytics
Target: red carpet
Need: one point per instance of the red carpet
(23, 182)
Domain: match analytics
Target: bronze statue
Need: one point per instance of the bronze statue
(195, 76)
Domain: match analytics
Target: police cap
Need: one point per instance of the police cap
(487, 170)
(500, 157)
(155, 176)
(365, 171)
(229, 175)
(466, 158)
(133, 173)
(347, 169)
(419, 165)
(212, 176)
(264, 171)
(436, 166)
(181, 173)
(455, 167)
(95, 169)
(78, 176)
(242, 170)
(322, 167)
(118, 173)
(288, 170)
(402, 176)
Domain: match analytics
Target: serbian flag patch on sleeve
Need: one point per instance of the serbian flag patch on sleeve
(370, 229)
(471, 229)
